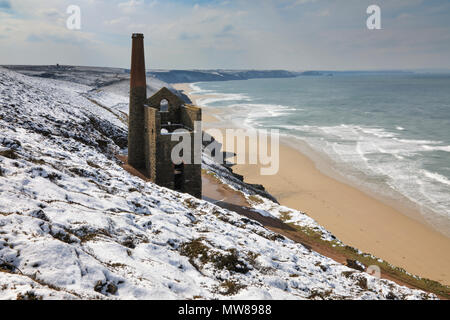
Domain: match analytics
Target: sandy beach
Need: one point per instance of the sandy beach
(356, 217)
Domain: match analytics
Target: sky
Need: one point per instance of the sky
(229, 34)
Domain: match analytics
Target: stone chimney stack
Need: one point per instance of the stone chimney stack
(138, 95)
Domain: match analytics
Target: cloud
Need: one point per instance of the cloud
(296, 3)
(227, 31)
(133, 6)
(67, 38)
(130, 6)
(228, 28)
(324, 13)
(117, 21)
(34, 38)
(300, 2)
(229, 34)
(187, 36)
(50, 13)
(4, 4)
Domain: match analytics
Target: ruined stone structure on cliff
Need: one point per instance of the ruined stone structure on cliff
(153, 122)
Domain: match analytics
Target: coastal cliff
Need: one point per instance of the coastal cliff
(184, 76)
(75, 225)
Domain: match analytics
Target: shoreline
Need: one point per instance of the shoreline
(325, 166)
(383, 229)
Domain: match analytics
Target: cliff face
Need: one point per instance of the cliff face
(74, 224)
(182, 76)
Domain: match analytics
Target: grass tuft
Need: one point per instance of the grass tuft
(230, 262)
(29, 295)
(10, 154)
(285, 216)
(255, 199)
(199, 254)
(231, 287)
(324, 295)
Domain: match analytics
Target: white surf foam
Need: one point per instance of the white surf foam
(221, 98)
(437, 177)
(437, 148)
(197, 90)
(379, 159)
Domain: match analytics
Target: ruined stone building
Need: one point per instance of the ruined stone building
(151, 126)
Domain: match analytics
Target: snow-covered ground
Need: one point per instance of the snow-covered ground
(75, 225)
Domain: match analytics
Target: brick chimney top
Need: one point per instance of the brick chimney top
(137, 35)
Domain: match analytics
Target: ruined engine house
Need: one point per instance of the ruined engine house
(152, 131)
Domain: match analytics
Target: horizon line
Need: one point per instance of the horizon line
(239, 69)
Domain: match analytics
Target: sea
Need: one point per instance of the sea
(386, 133)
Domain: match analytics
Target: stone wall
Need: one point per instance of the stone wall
(173, 114)
(158, 147)
(152, 130)
(189, 114)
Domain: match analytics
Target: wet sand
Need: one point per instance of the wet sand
(356, 217)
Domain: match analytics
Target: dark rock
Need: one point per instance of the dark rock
(111, 288)
(355, 264)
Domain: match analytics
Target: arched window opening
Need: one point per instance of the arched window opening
(164, 106)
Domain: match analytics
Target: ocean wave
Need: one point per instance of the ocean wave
(256, 115)
(197, 90)
(263, 111)
(381, 140)
(437, 148)
(419, 142)
(222, 97)
(436, 176)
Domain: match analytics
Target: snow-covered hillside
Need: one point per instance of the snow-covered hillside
(75, 225)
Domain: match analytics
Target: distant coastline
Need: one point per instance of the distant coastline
(191, 76)
(173, 76)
